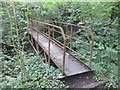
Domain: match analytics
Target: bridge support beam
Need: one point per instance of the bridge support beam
(37, 46)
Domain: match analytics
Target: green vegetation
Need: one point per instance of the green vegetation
(36, 74)
(101, 17)
(20, 67)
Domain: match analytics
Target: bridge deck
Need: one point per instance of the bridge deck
(73, 66)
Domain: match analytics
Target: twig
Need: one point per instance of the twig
(15, 18)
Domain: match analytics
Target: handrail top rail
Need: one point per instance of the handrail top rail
(61, 29)
(71, 25)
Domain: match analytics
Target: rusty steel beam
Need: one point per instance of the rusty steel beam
(32, 44)
(71, 31)
(49, 46)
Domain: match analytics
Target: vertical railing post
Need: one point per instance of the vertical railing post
(49, 45)
(43, 28)
(53, 32)
(71, 31)
(64, 53)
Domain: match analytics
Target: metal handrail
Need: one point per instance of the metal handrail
(72, 25)
(90, 31)
(61, 29)
(64, 38)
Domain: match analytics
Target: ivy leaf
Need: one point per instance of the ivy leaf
(15, 36)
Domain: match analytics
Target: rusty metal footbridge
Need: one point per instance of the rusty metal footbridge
(58, 41)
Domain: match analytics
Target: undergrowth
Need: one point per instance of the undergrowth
(36, 73)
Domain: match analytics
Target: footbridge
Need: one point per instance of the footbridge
(58, 41)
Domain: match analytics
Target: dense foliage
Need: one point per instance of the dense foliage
(101, 17)
(36, 74)
(20, 67)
